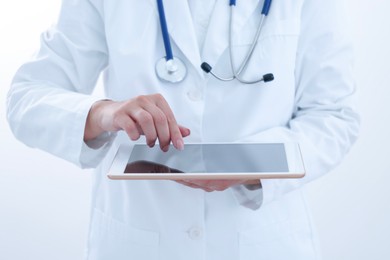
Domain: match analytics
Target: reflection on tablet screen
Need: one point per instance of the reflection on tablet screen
(148, 167)
(209, 158)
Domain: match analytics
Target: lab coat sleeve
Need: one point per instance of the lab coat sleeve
(252, 199)
(50, 96)
(325, 122)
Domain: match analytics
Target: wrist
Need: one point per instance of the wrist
(93, 126)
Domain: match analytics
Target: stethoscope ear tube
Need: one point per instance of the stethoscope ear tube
(268, 77)
(208, 69)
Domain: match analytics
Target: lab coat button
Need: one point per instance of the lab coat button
(195, 233)
(194, 95)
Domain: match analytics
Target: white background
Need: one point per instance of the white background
(44, 201)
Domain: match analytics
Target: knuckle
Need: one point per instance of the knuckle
(144, 118)
(117, 113)
(116, 120)
(171, 119)
(158, 96)
(160, 119)
(126, 105)
(142, 99)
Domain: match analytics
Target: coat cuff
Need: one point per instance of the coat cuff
(252, 199)
(94, 151)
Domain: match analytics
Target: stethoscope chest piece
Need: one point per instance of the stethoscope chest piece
(172, 71)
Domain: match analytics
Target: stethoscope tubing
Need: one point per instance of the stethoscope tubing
(169, 69)
(164, 31)
(266, 6)
(244, 64)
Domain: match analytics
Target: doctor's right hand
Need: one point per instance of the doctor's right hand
(148, 115)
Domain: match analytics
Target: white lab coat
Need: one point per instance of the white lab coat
(306, 46)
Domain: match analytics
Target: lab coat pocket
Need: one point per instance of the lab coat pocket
(113, 239)
(271, 28)
(278, 241)
(275, 51)
(276, 47)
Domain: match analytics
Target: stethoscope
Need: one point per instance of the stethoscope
(172, 69)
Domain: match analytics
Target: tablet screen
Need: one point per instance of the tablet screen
(209, 158)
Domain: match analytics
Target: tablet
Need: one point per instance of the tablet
(208, 161)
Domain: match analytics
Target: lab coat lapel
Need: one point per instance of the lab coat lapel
(181, 29)
(217, 38)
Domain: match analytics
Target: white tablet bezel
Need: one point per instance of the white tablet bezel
(293, 155)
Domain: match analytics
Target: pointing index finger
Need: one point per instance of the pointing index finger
(175, 133)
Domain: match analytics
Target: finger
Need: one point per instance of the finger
(175, 133)
(221, 185)
(160, 123)
(220, 188)
(186, 183)
(184, 131)
(181, 182)
(125, 123)
(146, 123)
(226, 184)
(193, 185)
(203, 184)
(216, 185)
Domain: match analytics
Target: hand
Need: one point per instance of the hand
(217, 185)
(144, 115)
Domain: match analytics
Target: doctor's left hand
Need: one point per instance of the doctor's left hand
(219, 185)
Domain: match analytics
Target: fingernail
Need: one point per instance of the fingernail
(180, 145)
(165, 148)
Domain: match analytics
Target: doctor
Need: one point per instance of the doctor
(303, 43)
